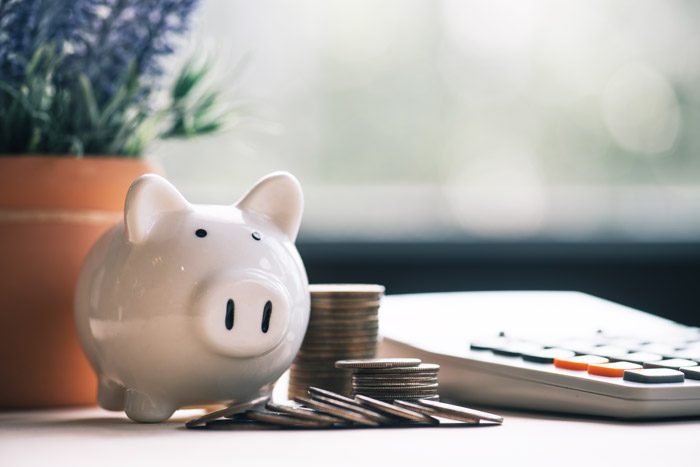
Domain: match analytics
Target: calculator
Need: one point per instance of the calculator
(548, 351)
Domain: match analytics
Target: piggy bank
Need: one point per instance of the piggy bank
(184, 304)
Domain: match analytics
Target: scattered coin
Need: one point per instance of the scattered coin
(314, 392)
(353, 406)
(281, 419)
(336, 411)
(377, 363)
(397, 411)
(301, 412)
(229, 411)
(456, 412)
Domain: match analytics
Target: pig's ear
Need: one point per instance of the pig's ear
(149, 197)
(278, 198)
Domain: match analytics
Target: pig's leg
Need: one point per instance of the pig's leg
(144, 408)
(110, 395)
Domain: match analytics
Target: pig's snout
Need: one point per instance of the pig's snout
(242, 317)
(231, 314)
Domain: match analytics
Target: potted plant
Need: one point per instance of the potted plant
(79, 81)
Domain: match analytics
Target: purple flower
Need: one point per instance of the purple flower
(104, 39)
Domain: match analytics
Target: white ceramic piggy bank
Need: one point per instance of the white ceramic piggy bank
(186, 304)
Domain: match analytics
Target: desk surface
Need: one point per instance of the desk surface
(91, 436)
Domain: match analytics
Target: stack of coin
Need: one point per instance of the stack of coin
(343, 324)
(393, 378)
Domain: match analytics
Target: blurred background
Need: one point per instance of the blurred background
(466, 145)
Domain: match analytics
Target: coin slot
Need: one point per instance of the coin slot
(267, 313)
(230, 309)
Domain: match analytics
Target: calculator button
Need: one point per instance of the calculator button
(641, 357)
(547, 355)
(691, 372)
(690, 354)
(615, 369)
(516, 349)
(654, 375)
(627, 343)
(488, 344)
(661, 349)
(579, 363)
(582, 347)
(673, 363)
(610, 351)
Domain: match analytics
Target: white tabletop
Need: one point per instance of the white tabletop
(91, 436)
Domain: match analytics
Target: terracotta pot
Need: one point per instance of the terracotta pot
(52, 209)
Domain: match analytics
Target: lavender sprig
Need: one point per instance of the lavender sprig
(76, 76)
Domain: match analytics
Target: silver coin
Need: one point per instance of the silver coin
(336, 329)
(397, 396)
(337, 309)
(319, 353)
(374, 363)
(403, 398)
(396, 411)
(428, 368)
(335, 324)
(333, 315)
(343, 324)
(336, 411)
(361, 343)
(282, 419)
(348, 326)
(326, 337)
(353, 406)
(399, 387)
(311, 350)
(301, 412)
(395, 390)
(345, 289)
(390, 380)
(346, 306)
(394, 385)
(316, 392)
(308, 369)
(228, 411)
(339, 340)
(456, 412)
(320, 372)
(338, 386)
(312, 355)
(414, 405)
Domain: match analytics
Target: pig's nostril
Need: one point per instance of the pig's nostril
(267, 312)
(230, 308)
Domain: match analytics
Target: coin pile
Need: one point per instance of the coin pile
(327, 409)
(343, 324)
(397, 378)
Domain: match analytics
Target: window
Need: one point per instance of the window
(506, 119)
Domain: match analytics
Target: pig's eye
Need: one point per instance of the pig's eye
(256, 236)
(201, 233)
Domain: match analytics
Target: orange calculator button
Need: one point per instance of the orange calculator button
(613, 370)
(579, 363)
